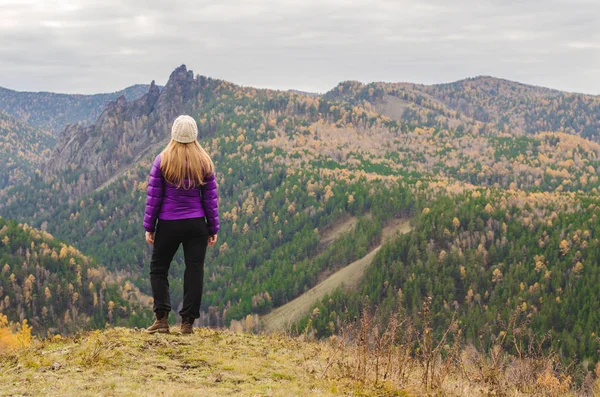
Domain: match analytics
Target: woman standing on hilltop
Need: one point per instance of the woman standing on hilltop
(182, 195)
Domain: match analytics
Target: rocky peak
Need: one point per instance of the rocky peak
(179, 75)
(181, 85)
(124, 132)
(154, 90)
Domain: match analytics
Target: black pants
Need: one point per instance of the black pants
(193, 234)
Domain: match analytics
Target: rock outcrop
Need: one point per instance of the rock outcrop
(90, 155)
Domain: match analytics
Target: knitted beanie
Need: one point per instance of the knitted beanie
(184, 129)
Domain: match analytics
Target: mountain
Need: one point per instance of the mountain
(23, 150)
(484, 103)
(57, 288)
(125, 131)
(522, 107)
(52, 112)
(502, 211)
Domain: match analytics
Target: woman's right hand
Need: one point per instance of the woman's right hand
(212, 240)
(150, 237)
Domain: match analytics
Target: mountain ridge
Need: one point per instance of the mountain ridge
(477, 78)
(146, 121)
(488, 104)
(53, 111)
(131, 87)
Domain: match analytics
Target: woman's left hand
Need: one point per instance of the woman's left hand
(212, 240)
(150, 237)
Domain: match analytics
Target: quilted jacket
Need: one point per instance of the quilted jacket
(165, 201)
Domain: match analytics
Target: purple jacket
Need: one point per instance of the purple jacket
(167, 202)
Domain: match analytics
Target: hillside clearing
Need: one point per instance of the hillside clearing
(331, 234)
(282, 317)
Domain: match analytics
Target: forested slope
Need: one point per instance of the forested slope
(23, 149)
(58, 289)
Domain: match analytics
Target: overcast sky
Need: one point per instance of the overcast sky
(90, 46)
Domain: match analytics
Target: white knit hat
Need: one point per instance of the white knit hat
(184, 129)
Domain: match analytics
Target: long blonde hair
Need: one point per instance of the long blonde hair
(181, 161)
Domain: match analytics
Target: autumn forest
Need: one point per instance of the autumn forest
(498, 179)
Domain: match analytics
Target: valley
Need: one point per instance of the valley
(498, 178)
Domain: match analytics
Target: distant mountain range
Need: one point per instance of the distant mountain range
(487, 103)
(52, 112)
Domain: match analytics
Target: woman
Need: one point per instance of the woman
(182, 196)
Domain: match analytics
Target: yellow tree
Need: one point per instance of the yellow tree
(455, 223)
(564, 247)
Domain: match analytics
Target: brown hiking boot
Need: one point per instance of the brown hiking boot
(187, 325)
(161, 324)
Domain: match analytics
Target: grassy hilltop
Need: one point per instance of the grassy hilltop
(129, 362)
(124, 361)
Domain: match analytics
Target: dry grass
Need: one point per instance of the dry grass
(124, 361)
(405, 358)
(400, 360)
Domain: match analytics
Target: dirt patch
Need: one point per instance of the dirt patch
(396, 226)
(332, 233)
(392, 107)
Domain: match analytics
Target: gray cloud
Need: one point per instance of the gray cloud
(89, 46)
